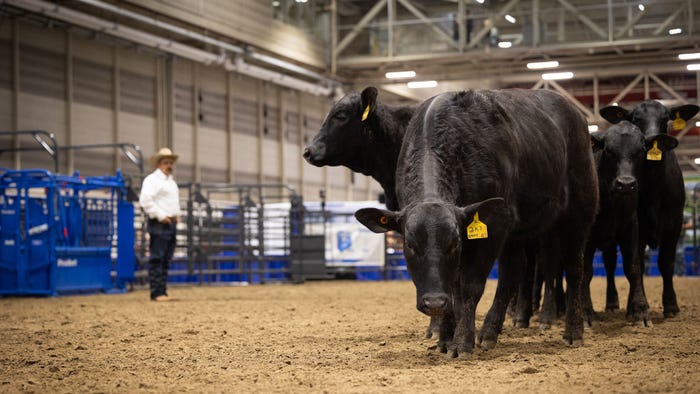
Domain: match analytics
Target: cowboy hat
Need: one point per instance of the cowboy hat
(162, 154)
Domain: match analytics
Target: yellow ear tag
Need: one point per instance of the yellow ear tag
(477, 229)
(678, 123)
(366, 113)
(654, 153)
(383, 220)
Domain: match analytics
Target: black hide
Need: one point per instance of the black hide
(662, 192)
(525, 155)
(369, 146)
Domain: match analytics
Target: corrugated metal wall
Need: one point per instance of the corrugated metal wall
(225, 127)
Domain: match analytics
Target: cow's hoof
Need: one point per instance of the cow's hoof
(573, 342)
(545, 326)
(612, 309)
(670, 314)
(521, 323)
(487, 344)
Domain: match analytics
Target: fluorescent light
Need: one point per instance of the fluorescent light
(592, 128)
(540, 65)
(505, 44)
(693, 67)
(275, 3)
(641, 7)
(400, 74)
(615, 104)
(422, 84)
(689, 56)
(697, 160)
(480, 1)
(510, 18)
(553, 76)
(675, 31)
(697, 124)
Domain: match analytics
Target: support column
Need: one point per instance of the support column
(196, 171)
(115, 104)
(69, 102)
(17, 164)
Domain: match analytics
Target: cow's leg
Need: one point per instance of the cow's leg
(511, 263)
(587, 302)
(471, 287)
(537, 288)
(549, 260)
(572, 246)
(433, 329)
(666, 262)
(559, 292)
(523, 306)
(637, 306)
(612, 302)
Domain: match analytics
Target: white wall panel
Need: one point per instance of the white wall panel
(93, 51)
(245, 157)
(92, 125)
(182, 145)
(271, 158)
(212, 150)
(292, 161)
(139, 130)
(48, 39)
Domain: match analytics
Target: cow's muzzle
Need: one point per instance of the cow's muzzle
(434, 304)
(314, 155)
(625, 185)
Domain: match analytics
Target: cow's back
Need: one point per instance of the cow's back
(522, 145)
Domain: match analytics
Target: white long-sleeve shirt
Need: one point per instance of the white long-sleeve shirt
(160, 197)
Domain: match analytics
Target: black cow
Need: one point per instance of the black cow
(620, 153)
(516, 161)
(365, 142)
(662, 193)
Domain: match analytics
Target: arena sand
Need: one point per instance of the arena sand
(327, 337)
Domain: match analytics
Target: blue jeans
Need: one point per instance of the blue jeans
(162, 247)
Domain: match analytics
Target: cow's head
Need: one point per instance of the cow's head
(345, 131)
(435, 241)
(650, 116)
(620, 154)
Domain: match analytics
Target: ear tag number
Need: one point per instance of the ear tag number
(678, 123)
(366, 113)
(654, 153)
(477, 229)
(383, 220)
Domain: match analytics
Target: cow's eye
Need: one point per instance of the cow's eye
(341, 116)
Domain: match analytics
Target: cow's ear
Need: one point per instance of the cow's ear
(492, 213)
(378, 220)
(614, 114)
(685, 112)
(597, 141)
(664, 142)
(368, 101)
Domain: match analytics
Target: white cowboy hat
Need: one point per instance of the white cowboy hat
(162, 154)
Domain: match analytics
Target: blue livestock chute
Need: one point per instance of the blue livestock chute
(58, 233)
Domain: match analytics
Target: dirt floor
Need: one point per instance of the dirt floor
(332, 336)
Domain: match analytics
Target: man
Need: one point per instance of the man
(160, 199)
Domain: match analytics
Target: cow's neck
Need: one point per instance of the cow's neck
(384, 133)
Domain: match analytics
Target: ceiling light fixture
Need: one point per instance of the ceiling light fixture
(541, 65)
(689, 56)
(510, 18)
(421, 84)
(641, 7)
(675, 31)
(693, 67)
(505, 44)
(400, 74)
(556, 76)
(592, 128)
